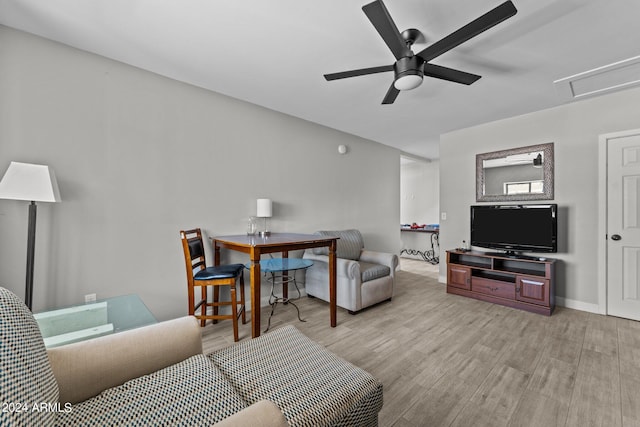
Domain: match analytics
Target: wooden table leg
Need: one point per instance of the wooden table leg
(255, 293)
(332, 282)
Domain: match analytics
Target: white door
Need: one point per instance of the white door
(623, 226)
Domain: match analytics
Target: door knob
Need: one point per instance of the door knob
(616, 237)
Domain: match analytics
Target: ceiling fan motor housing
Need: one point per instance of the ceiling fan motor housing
(408, 72)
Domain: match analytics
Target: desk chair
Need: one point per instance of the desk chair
(282, 271)
(198, 274)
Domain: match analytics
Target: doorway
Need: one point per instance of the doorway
(419, 203)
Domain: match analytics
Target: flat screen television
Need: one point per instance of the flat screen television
(515, 228)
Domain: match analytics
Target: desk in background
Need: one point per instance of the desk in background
(432, 256)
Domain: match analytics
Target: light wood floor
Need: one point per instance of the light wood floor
(447, 360)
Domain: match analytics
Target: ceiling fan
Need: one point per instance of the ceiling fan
(410, 68)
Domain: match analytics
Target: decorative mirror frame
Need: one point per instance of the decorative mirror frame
(547, 168)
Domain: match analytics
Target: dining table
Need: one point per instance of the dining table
(256, 245)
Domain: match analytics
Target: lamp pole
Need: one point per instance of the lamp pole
(31, 246)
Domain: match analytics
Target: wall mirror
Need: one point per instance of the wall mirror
(519, 174)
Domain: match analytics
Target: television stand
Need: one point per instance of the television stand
(527, 283)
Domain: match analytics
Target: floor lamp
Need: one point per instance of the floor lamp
(34, 183)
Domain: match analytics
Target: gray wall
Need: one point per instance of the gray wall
(139, 157)
(574, 128)
(419, 186)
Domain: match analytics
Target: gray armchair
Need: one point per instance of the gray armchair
(363, 277)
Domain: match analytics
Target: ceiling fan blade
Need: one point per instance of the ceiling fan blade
(449, 74)
(381, 19)
(391, 95)
(472, 29)
(360, 72)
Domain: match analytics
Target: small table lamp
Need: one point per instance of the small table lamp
(35, 183)
(264, 211)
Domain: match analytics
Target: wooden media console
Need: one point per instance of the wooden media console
(527, 283)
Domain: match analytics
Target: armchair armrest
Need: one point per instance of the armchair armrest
(344, 267)
(263, 413)
(382, 258)
(84, 369)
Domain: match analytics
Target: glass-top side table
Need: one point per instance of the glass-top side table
(85, 321)
(282, 271)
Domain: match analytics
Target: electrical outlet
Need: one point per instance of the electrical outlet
(443, 216)
(90, 298)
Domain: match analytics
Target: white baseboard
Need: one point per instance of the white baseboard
(578, 305)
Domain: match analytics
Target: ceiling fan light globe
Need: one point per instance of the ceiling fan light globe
(408, 82)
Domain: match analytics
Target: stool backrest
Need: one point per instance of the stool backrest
(193, 248)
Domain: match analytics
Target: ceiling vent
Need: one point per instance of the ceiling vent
(610, 78)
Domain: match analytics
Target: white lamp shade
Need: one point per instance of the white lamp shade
(26, 181)
(264, 208)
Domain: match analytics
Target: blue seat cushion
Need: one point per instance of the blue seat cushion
(219, 272)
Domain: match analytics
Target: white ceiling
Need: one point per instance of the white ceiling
(274, 54)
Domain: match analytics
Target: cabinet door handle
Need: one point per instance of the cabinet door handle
(531, 282)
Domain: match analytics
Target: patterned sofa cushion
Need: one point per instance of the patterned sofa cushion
(349, 246)
(192, 392)
(312, 386)
(27, 385)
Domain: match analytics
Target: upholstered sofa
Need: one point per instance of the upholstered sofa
(363, 277)
(157, 375)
